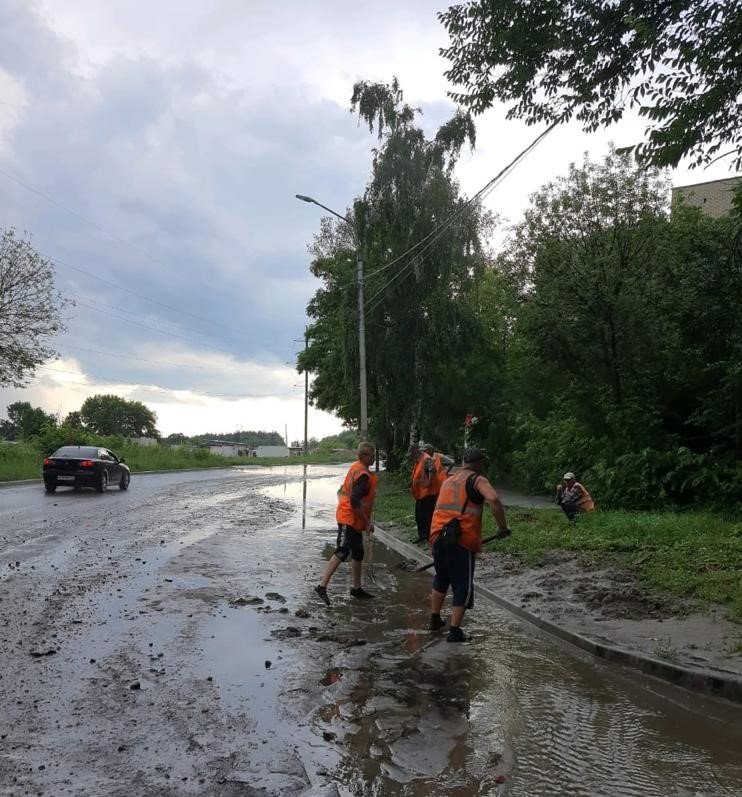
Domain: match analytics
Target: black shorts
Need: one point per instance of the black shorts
(454, 567)
(350, 543)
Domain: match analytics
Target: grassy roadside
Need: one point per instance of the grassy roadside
(694, 555)
(23, 460)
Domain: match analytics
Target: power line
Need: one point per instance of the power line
(72, 212)
(63, 263)
(100, 303)
(469, 201)
(113, 237)
(153, 329)
(405, 270)
(436, 233)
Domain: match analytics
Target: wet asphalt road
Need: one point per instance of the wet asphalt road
(151, 646)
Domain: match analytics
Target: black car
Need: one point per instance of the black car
(85, 466)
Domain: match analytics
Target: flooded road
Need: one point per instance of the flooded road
(166, 641)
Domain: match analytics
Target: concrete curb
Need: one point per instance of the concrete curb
(698, 680)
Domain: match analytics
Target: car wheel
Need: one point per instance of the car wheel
(49, 487)
(102, 482)
(124, 483)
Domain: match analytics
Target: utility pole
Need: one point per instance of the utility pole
(362, 343)
(361, 314)
(306, 401)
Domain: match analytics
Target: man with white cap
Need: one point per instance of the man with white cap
(573, 497)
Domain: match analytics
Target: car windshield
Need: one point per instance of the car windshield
(76, 452)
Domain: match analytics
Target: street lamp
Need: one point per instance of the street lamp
(361, 313)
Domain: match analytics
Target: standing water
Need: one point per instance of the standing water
(512, 712)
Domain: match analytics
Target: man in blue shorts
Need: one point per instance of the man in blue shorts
(456, 538)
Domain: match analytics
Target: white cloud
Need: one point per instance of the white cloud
(62, 387)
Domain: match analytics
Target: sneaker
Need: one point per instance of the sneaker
(360, 592)
(455, 634)
(436, 622)
(322, 592)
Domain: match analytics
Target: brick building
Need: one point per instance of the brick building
(714, 198)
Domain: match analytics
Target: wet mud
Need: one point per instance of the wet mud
(168, 642)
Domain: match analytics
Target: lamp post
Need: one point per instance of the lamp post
(361, 314)
(306, 402)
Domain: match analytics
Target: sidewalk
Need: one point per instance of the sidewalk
(702, 652)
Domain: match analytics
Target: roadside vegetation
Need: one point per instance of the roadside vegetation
(23, 460)
(695, 555)
(602, 336)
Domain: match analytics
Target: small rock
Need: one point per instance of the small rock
(135, 685)
(250, 600)
(37, 654)
(329, 736)
(268, 664)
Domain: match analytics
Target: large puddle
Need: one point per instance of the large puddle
(512, 712)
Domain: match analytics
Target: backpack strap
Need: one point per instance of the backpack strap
(467, 484)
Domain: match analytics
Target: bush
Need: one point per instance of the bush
(550, 447)
(53, 437)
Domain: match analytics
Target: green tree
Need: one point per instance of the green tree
(30, 309)
(25, 421)
(413, 318)
(74, 420)
(676, 61)
(113, 415)
(625, 350)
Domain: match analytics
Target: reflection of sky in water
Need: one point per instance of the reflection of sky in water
(314, 494)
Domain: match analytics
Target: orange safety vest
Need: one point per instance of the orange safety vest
(345, 512)
(451, 501)
(440, 471)
(584, 502)
(424, 484)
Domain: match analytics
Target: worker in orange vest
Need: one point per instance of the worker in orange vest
(441, 462)
(353, 516)
(425, 489)
(573, 497)
(456, 538)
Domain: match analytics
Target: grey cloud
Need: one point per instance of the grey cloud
(192, 170)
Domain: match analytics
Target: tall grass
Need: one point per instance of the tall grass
(24, 460)
(695, 554)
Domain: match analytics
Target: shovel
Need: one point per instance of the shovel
(486, 539)
(368, 545)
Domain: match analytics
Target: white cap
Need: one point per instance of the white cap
(568, 475)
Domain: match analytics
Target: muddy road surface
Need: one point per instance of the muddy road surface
(166, 641)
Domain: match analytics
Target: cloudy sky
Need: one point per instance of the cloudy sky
(153, 151)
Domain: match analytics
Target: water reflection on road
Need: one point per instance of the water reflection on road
(513, 712)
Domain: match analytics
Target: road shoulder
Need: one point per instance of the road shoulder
(583, 607)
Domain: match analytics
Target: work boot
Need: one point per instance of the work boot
(360, 592)
(455, 634)
(322, 592)
(436, 622)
